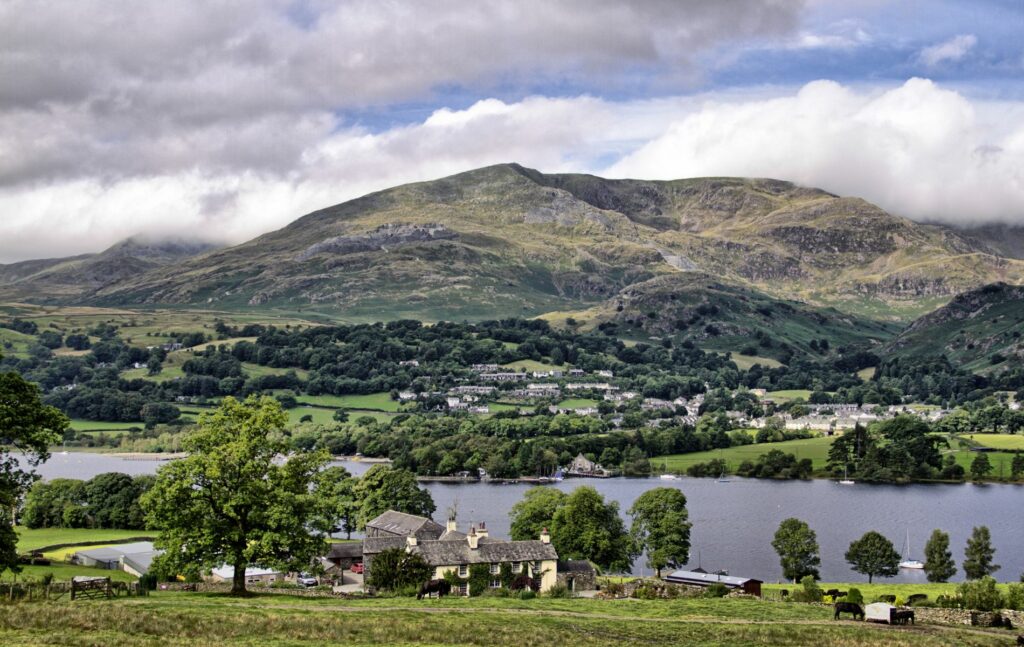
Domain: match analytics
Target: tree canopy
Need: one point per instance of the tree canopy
(938, 561)
(585, 527)
(873, 555)
(979, 554)
(797, 546)
(661, 527)
(230, 502)
(385, 488)
(535, 511)
(27, 428)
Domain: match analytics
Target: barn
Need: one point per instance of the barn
(748, 585)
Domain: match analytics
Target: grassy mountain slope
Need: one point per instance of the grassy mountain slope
(505, 240)
(982, 329)
(79, 277)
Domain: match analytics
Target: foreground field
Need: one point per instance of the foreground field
(175, 618)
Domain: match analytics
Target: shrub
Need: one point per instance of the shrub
(716, 590)
(811, 592)
(1015, 597)
(501, 592)
(855, 596)
(980, 595)
(527, 594)
(559, 591)
(614, 588)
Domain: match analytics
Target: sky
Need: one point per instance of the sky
(221, 120)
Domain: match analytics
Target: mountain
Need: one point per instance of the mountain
(1004, 240)
(79, 277)
(506, 240)
(981, 329)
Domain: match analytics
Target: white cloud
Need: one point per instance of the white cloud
(953, 49)
(918, 150)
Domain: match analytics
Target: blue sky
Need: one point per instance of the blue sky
(193, 116)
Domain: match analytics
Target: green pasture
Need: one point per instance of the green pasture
(1007, 442)
(531, 365)
(371, 401)
(577, 403)
(34, 538)
(99, 425)
(789, 395)
(815, 449)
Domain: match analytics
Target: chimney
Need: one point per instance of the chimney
(545, 538)
(472, 538)
(410, 541)
(482, 530)
(451, 526)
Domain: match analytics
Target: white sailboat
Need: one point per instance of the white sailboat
(906, 562)
(845, 480)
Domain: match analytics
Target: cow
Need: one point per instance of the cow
(891, 599)
(441, 587)
(1020, 640)
(903, 616)
(848, 607)
(915, 598)
(834, 593)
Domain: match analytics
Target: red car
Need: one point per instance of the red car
(357, 568)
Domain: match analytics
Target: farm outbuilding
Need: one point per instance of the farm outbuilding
(748, 585)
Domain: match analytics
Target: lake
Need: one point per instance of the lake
(733, 523)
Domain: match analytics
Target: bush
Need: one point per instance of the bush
(811, 592)
(559, 591)
(854, 596)
(716, 590)
(980, 595)
(527, 594)
(500, 592)
(1015, 597)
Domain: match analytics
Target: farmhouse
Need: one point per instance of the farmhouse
(582, 466)
(446, 549)
(700, 578)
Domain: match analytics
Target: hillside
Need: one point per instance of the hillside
(981, 329)
(505, 240)
(77, 278)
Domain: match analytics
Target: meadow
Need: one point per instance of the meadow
(170, 618)
(815, 449)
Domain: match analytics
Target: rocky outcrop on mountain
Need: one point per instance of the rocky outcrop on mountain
(384, 237)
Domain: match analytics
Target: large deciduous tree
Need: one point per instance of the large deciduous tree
(797, 546)
(27, 428)
(979, 554)
(873, 555)
(231, 502)
(385, 488)
(585, 527)
(535, 511)
(661, 527)
(938, 560)
(337, 489)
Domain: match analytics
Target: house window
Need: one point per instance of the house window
(536, 569)
(517, 567)
(495, 584)
(495, 568)
(463, 570)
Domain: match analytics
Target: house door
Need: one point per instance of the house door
(570, 583)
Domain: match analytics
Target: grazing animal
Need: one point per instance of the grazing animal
(784, 593)
(1020, 640)
(441, 587)
(848, 607)
(891, 599)
(917, 597)
(903, 616)
(835, 593)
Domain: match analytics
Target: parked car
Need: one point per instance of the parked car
(357, 568)
(305, 579)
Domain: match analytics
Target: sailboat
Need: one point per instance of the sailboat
(846, 480)
(906, 562)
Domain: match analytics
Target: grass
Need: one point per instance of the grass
(789, 395)
(744, 362)
(320, 416)
(100, 425)
(34, 538)
(577, 403)
(1009, 442)
(814, 448)
(865, 374)
(64, 572)
(877, 588)
(371, 401)
(171, 618)
(531, 365)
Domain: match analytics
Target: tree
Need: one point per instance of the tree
(585, 527)
(340, 415)
(873, 555)
(535, 511)
(797, 546)
(394, 569)
(661, 527)
(979, 554)
(385, 488)
(1017, 466)
(981, 466)
(938, 560)
(230, 502)
(337, 489)
(27, 428)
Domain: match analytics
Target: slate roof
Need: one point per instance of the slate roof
(707, 579)
(575, 566)
(374, 545)
(440, 553)
(138, 555)
(402, 524)
(349, 549)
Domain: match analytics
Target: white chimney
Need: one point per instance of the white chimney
(451, 525)
(545, 538)
(472, 538)
(482, 530)
(410, 541)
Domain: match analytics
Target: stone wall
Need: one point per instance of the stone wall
(225, 587)
(965, 616)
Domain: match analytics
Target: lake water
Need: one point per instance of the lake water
(733, 523)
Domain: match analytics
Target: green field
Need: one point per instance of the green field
(789, 395)
(531, 365)
(875, 589)
(209, 619)
(577, 403)
(814, 448)
(1008, 442)
(372, 401)
(744, 362)
(15, 343)
(257, 370)
(320, 416)
(100, 425)
(34, 538)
